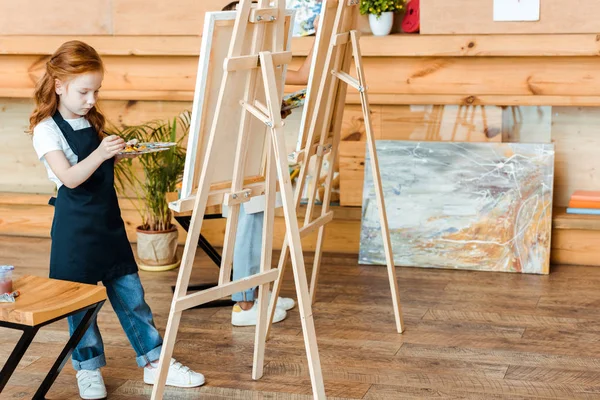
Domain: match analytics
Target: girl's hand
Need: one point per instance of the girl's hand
(110, 147)
(285, 113)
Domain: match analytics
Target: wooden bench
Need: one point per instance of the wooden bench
(43, 301)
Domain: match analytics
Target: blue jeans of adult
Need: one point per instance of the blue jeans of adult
(126, 296)
(247, 250)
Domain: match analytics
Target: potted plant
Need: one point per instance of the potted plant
(381, 14)
(151, 177)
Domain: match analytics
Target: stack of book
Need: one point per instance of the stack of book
(584, 202)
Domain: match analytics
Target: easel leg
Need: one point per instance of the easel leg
(333, 112)
(385, 233)
(183, 280)
(324, 210)
(277, 285)
(308, 153)
(283, 257)
(265, 265)
(292, 231)
(304, 306)
(185, 271)
(165, 354)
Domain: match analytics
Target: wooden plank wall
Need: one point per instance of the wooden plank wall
(476, 17)
(421, 88)
(106, 17)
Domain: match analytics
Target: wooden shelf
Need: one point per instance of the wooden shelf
(562, 220)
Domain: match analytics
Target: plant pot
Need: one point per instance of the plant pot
(383, 25)
(157, 250)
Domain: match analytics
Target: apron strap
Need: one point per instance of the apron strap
(52, 201)
(66, 130)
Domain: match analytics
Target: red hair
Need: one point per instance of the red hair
(69, 60)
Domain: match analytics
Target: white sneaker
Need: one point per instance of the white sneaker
(179, 375)
(284, 302)
(241, 317)
(91, 384)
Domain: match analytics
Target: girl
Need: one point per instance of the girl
(89, 243)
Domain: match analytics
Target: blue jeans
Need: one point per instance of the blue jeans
(126, 295)
(247, 250)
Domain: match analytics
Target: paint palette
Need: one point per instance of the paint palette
(144, 148)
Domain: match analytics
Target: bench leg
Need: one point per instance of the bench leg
(66, 352)
(16, 355)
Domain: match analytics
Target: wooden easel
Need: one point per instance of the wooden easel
(248, 70)
(336, 44)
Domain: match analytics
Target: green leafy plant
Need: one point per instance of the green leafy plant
(377, 7)
(160, 172)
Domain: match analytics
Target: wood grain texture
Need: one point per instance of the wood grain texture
(574, 238)
(575, 246)
(352, 172)
(575, 164)
(392, 80)
(178, 17)
(562, 220)
(30, 215)
(394, 45)
(28, 174)
(105, 17)
(43, 299)
(555, 17)
(469, 335)
(39, 17)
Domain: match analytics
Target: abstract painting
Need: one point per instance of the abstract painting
(476, 206)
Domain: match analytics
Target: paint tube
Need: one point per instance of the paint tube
(9, 297)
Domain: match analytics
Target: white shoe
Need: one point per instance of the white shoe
(179, 375)
(91, 384)
(284, 302)
(240, 317)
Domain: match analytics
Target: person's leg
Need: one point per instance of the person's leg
(126, 295)
(247, 253)
(246, 262)
(89, 352)
(87, 358)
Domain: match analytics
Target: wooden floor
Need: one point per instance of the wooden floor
(469, 335)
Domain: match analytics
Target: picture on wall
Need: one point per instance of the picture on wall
(476, 206)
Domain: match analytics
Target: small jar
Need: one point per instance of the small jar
(6, 278)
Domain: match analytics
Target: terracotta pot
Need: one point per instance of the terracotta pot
(157, 250)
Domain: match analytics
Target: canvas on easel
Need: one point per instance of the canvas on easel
(217, 34)
(337, 45)
(250, 91)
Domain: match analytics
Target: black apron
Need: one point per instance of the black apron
(89, 243)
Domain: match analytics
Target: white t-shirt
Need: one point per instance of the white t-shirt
(47, 137)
